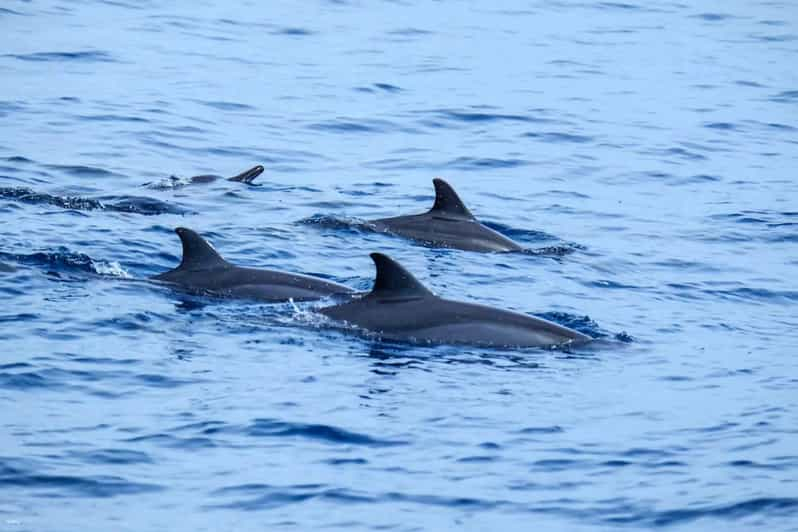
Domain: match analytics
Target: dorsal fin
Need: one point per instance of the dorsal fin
(393, 279)
(447, 202)
(247, 176)
(198, 254)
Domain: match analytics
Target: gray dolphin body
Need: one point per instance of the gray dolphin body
(448, 224)
(400, 308)
(203, 270)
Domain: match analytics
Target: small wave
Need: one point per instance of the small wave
(765, 505)
(343, 125)
(410, 32)
(712, 17)
(16, 474)
(786, 97)
(113, 118)
(66, 261)
(483, 117)
(227, 106)
(475, 163)
(313, 431)
(89, 56)
(293, 32)
(557, 137)
(129, 204)
(81, 170)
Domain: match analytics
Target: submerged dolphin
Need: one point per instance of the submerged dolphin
(246, 177)
(202, 269)
(401, 308)
(448, 224)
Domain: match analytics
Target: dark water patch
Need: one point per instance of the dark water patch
(785, 97)
(387, 87)
(141, 205)
(174, 442)
(712, 17)
(722, 126)
(8, 268)
(113, 118)
(619, 6)
(226, 106)
(7, 107)
(128, 204)
(761, 295)
(113, 457)
(775, 38)
(554, 429)
(410, 32)
(275, 428)
(293, 32)
(23, 381)
(345, 461)
(771, 507)
(81, 171)
(748, 83)
(266, 497)
(475, 117)
(18, 159)
(343, 125)
(477, 164)
(682, 153)
(16, 475)
(556, 137)
(780, 127)
(6, 11)
(87, 56)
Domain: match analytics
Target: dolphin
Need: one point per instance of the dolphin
(203, 270)
(247, 177)
(400, 308)
(448, 224)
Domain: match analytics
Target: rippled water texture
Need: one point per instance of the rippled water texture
(645, 153)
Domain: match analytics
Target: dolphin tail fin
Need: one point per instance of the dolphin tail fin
(447, 202)
(394, 279)
(248, 176)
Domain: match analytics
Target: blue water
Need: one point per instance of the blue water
(645, 152)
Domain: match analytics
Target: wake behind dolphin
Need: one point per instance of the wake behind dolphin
(447, 224)
(203, 270)
(400, 308)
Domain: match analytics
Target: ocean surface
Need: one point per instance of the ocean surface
(646, 154)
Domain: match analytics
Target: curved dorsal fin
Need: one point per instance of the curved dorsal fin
(447, 202)
(198, 254)
(393, 279)
(247, 176)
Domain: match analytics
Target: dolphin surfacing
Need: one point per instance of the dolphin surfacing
(247, 176)
(203, 270)
(448, 224)
(400, 308)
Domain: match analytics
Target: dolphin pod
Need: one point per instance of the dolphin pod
(399, 307)
(448, 224)
(203, 270)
